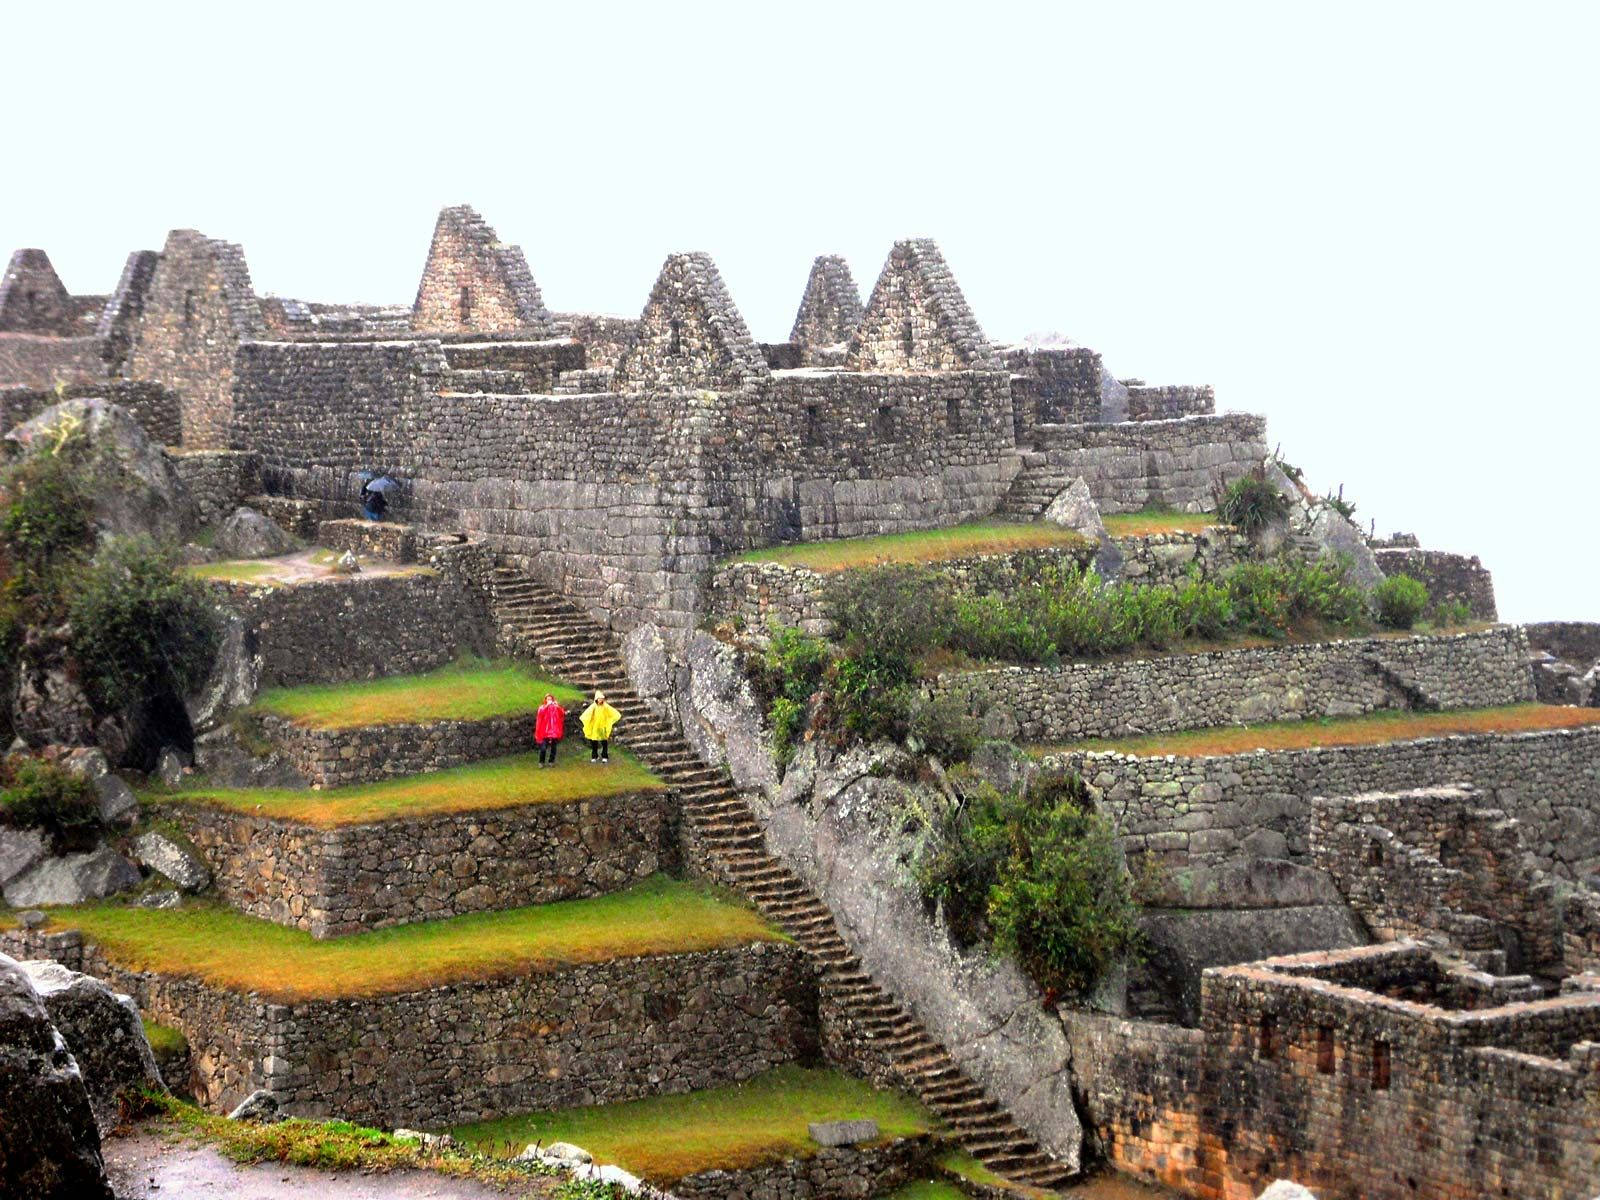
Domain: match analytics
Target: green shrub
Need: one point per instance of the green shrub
(1450, 613)
(996, 626)
(788, 720)
(870, 696)
(899, 611)
(964, 843)
(943, 727)
(1251, 503)
(1400, 601)
(788, 674)
(35, 794)
(1337, 502)
(47, 521)
(140, 631)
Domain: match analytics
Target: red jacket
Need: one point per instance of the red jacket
(551, 722)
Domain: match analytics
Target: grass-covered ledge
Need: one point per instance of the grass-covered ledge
(225, 949)
(969, 540)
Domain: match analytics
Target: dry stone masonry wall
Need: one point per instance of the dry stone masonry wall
(830, 309)
(1450, 577)
(474, 283)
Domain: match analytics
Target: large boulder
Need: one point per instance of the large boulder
(170, 860)
(722, 718)
(248, 534)
(20, 849)
(72, 879)
(235, 676)
(49, 1144)
(136, 491)
(1113, 397)
(104, 1033)
(118, 804)
(1074, 508)
(49, 708)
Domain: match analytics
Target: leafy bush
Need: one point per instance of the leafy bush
(896, 611)
(1337, 502)
(1449, 613)
(48, 517)
(140, 631)
(943, 727)
(870, 696)
(1400, 601)
(1040, 874)
(788, 675)
(35, 794)
(1252, 502)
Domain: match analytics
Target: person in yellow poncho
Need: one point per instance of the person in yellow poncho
(599, 719)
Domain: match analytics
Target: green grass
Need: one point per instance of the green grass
(224, 948)
(1156, 520)
(929, 1189)
(664, 1138)
(479, 787)
(470, 690)
(1392, 725)
(232, 572)
(920, 546)
(164, 1039)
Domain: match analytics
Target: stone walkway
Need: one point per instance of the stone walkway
(147, 1166)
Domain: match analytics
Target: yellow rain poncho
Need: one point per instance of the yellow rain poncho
(598, 721)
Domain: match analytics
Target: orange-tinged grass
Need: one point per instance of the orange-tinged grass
(919, 546)
(480, 787)
(226, 949)
(471, 690)
(664, 1138)
(1139, 524)
(1373, 729)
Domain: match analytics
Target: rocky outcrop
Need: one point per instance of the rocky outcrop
(720, 714)
(167, 858)
(248, 534)
(1074, 508)
(104, 1033)
(49, 1145)
(72, 879)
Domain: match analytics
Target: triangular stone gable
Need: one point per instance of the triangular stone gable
(475, 283)
(830, 310)
(119, 319)
(33, 298)
(690, 335)
(917, 319)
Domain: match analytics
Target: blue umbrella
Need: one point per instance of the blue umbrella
(382, 484)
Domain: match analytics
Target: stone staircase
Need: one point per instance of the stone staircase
(573, 647)
(1038, 483)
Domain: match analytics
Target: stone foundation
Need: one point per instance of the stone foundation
(216, 481)
(833, 1173)
(356, 877)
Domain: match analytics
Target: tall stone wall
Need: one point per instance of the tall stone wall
(199, 306)
(154, 407)
(1449, 577)
(33, 360)
(1170, 401)
(1083, 700)
(1061, 384)
(216, 481)
(1195, 811)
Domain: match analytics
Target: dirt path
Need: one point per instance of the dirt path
(148, 1166)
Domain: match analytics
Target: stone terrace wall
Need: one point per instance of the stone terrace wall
(1056, 386)
(1229, 687)
(603, 338)
(1448, 576)
(595, 1033)
(1170, 401)
(353, 627)
(33, 360)
(339, 757)
(516, 366)
(217, 481)
(343, 880)
(1166, 559)
(153, 406)
(833, 1173)
(1200, 811)
(1136, 464)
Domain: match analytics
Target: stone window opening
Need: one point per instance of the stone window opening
(886, 421)
(1325, 1050)
(466, 303)
(675, 344)
(1375, 854)
(1380, 1066)
(33, 303)
(813, 424)
(952, 413)
(188, 308)
(908, 339)
(1267, 1037)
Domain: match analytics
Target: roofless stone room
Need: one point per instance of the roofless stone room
(500, 744)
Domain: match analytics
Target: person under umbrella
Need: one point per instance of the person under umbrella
(374, 496)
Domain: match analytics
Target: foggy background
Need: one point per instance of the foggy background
(1374, 223)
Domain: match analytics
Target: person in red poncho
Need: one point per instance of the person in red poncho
(548, 728)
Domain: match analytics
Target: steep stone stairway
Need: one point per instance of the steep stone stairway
(569, 644)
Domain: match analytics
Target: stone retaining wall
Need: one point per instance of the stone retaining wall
(1168, 559)
(594, 1033)
(1449, 577)
(1170, 401)
(355, 877)
(1228, 687)
(386, 540)
(833, 1173)
(339, 757)
(1201, 810)
(154, 407)
(216, 481)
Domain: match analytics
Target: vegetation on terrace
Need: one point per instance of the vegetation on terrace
(664, 1138)
(920, 546)
(1149, 521)
(222, 947)
(470, 690)
(479, 787)
(1373, 729)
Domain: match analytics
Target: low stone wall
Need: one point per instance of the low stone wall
(35, 360)
(1576, 642)
(362, 627)
(1201, 810)
(355, 877)
(594, 1033)
(339, 757)
(1159, 559)
(1449, 577)
(216, 481)
(1170, 401)
(833, 1173)
(385, 540)
(1229, 687)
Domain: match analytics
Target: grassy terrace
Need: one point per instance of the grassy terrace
(921, 546)
(227, 949)
(480, 787)
(299, 567)
(471, 690)
(1154, 520)
(1373, 729)
(664, 1138)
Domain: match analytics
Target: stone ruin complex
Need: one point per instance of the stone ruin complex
(1391, 945)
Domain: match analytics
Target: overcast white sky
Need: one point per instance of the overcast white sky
(1373, 222)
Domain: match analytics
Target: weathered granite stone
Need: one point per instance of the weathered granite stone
(842, 1133)
(1283, 1189)
(19, 850)
(1074, 508)
(72, 879)
(104, 1033)
(50, 708)
(166, 857)
(722, 718)
(234, 678)
(51, 1145)
(248, 534)
(170, 764)
(260, 1106)
(117, 801)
